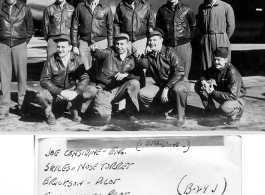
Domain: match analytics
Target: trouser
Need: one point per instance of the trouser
(55, 103)
(105, 99)
(85, 51)
(51, 47)
(230, 107)
(17, 57)
(177, 95)
(184, 53)
(140, 45)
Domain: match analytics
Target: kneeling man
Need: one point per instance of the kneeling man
(168, 73)
(63, 79)
(229, 92)
(116, 78)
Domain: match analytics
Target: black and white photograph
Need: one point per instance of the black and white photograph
(132, 97)
(132, 65)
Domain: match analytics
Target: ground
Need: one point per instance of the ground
(252, 119)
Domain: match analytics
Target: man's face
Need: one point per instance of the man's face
(122, 45)
(155, 42)
(219, 63)
(63, 48)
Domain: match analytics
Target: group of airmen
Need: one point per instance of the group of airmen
(95, 60)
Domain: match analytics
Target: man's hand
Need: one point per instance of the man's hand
(76, 50)
(68, 95)
(164, 96)
(147, 49)
(207, 87)
(94, 46)
(119, 76)
(136, 53)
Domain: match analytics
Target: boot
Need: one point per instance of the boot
(74, 115)
(50, 118)
(234, 120)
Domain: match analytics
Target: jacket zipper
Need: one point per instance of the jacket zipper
(132, 23)
(61, 19)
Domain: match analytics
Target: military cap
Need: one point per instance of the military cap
(121, 36)
(62, 38)
(155, 32)
(221, 52)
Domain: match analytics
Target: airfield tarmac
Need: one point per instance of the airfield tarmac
(253, 118)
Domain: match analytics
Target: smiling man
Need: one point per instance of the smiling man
(64, 80)
(171, 85)
(117, 79)
(229, 91)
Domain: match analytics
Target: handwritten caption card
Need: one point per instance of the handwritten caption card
(139, 166)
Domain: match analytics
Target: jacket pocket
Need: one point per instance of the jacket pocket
(22, 31)
(52, 29)
(54, 18)
(68, 23)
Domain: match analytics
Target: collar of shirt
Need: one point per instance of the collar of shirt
(95, 3)
(66, 59)
(173, 6)
(133, 4)
(62, 5)
(214, 3)
(124, 55)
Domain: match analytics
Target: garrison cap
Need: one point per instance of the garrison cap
(155, 32)
(221, 52)
(62, 38)
(121, 36)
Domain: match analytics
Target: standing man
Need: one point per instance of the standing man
(179, 25)
(56, 21)
(229, 91)
(168, 73)
(63, 80)
(16, 29)
(216, 21)
(135, 18)
(117, 79)
(92, 22)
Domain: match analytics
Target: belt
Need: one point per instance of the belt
(211, 32)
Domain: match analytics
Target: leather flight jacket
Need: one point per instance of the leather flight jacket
(178, 24)
(90, 26)
(229, 83)
(57, 21)
(109, 64)
(134, 22)
(165, 67)
(17, 28)
(55, 77)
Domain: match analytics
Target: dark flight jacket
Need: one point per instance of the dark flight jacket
(17, 28)
(57, 21)
(55, 77)
(229, 82)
